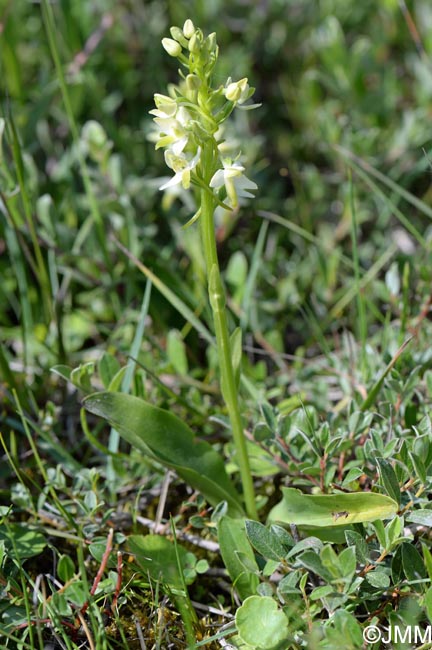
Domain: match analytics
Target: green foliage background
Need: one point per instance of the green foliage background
(328, 271)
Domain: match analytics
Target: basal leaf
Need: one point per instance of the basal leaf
(332, 509)
(165, 438)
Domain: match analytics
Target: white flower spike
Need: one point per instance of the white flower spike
(188, 120)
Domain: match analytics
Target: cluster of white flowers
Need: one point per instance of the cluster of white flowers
(189, 119)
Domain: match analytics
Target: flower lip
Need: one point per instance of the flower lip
(237, 185)
(182, 165)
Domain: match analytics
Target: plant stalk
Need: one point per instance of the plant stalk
(217, 301)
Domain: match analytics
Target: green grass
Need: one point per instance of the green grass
(328, 273)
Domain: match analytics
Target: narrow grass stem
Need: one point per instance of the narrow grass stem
(227, 376)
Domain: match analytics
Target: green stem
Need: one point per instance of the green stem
(217, 301)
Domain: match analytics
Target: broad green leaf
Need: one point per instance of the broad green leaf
(378, 579)
(108, 366)
(388, 479)
(265, 589)
(116, 382)
(412, 563)
(306, 544)
(60, 605)
(313, 562)
(396, 565)
(419, 467)
(380, 533)
(270, 567)
(428, 604)
(176, 352)
(76, 594)
(79, 377)
(260, 623)
(427, 555)
(332, 509)
(233, 542)
(361, 548)
(330, 561)
(321, 592)
(353, 474)
(288, 584)
(284, 537)
(346, 627)
(165, 438)
(265, 541)
(65, 568)
(347, 562)
(393, 531)
(26, 541)
(157, 557)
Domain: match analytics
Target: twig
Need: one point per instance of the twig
(193, 539)
(102, 568)
(91, 44)
(86, 630)
(162, 500)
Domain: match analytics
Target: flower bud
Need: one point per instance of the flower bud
(188, 28)
(232, 92)
(194, 44)
(171, 47)
(177, 35)
(193, 82)
(237, 91)
(211, 43)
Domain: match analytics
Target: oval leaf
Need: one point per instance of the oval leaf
(157, 557)
(265, 541)
(165, 438)
(332, 509)
(260, 623)
(389, 479)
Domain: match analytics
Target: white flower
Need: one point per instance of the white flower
(172, 124)
(237, 91)
(182, 165)
(165, 106)
(236, 183)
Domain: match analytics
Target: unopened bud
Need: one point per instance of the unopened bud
(237, 91)
(194, 44)
(177, 35)
(171, 47)
(188, 28)
(193, 82)
(211, 42)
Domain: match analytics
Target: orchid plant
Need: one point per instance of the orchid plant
(188, 125)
